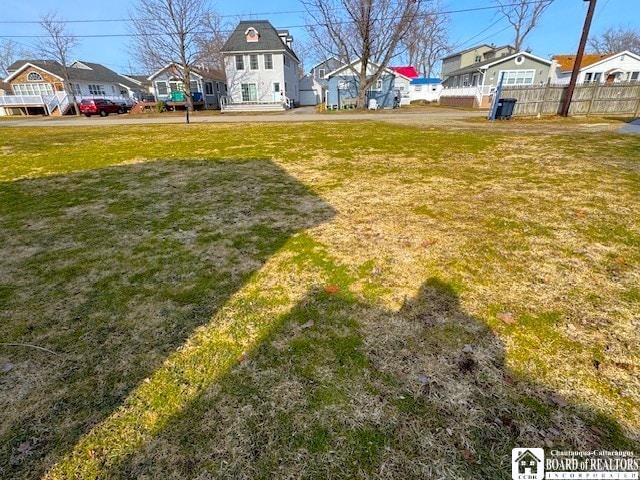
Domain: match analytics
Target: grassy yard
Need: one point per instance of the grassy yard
(343, 300)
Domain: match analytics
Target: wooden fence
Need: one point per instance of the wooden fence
(602, 99)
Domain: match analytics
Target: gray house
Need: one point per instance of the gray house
(342, 89)
(207, 86)
(480, 79)
(261, 67)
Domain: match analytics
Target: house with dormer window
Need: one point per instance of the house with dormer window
(261, 68)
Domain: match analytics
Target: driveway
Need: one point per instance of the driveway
(633, 127)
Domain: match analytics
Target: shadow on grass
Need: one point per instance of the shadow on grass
(113, 270)
(342, 389)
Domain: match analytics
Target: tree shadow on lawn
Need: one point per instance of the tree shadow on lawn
(113, 269)
(342, 389)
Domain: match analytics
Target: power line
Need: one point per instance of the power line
(128, 20)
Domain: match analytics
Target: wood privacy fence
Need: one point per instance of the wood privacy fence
(604, 99)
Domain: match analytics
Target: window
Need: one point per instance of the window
(33, 89)
(162, 88)
(268, 61)
(96, 90)
(478, 59)
(465, 81)
(249, 92)
(194, 87)
(597, 76)
(635, 76)
(518, 77)
(239, 62)
(208, 88)
(376, 87)
(587, 77)
(34, 77)
(286, 61)
(253, 61)
(321, 73)
(418, 88)
(76, 89)
(276, 87)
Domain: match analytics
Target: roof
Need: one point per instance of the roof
(494, 61)
(566, 62)
(78, 71)
(269, 39)
(5, 86)
(408, 71)
(207, 74)
(425, 81)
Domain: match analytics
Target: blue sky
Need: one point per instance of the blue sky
(558, 31)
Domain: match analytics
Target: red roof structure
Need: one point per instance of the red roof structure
(407, 71)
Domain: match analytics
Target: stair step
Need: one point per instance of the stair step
(258, 107)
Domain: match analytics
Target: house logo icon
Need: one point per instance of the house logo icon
(527, 464)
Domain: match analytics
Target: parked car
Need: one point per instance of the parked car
(100, 106)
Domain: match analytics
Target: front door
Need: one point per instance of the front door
(277, 96)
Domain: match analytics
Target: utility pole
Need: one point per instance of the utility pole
(579, 55)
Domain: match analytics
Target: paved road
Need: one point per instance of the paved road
(433, 116)
(633, 127)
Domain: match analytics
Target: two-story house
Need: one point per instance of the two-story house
(39, 86)
(261, 68)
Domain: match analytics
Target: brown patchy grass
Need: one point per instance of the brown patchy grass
(483, 296)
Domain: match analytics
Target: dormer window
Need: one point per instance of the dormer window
(252, 35)
(34, 77)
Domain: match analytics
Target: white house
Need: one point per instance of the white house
(427, 89)
(261, 68)
(597, 68)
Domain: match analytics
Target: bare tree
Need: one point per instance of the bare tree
(523, 15)
(170, 31)
(428, 41)
(614, 40)
(366, 30)
(211, 41)
(11, 51)
(58, 44)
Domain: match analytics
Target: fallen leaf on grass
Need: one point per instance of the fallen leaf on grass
(580, 213)
(25, 448)
(332, 289)
(559, 400)
(242, 357)
(309, 324)
(548, 442)
(508, 379)
(429, 243)
(468, 455)
(507, 317)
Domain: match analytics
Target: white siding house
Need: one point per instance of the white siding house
(261, 68)
(596, 68)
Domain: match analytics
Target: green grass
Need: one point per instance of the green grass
(336, 300)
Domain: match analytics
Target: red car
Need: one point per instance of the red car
(100, 106)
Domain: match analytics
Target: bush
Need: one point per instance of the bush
(161, 107)
(420, 102)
